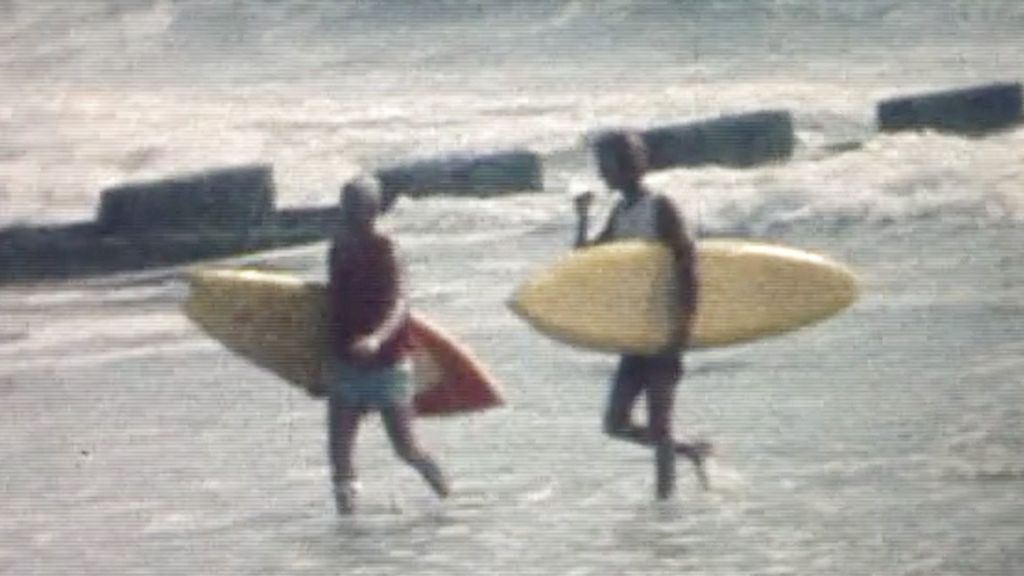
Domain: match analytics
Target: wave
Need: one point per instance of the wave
(109, 91)
(245, 38)
(899, 181)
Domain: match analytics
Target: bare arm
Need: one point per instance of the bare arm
(391, 324)
(672, 232)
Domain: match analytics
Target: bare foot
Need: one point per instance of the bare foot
(698, 453)
(345, 493)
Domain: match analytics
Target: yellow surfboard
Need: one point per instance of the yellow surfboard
(620, 297)
(278, 322)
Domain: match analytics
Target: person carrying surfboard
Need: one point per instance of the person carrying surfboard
(368, 368)
(641, 214)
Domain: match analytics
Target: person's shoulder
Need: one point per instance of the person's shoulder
(672, 219)
(386, 248)
(384, 243)
(664, 202)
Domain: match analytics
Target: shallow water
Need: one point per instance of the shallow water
(882, 441)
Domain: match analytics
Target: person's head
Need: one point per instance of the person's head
(622, 158)
(360, 204)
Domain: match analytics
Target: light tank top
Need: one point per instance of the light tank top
(638, 221)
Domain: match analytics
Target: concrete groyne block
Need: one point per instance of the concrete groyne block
(234, 199)
(474, 175)
(973, 110)
(741, 141)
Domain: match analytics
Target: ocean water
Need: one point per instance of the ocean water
(886, 440)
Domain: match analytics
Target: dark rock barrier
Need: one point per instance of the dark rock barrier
(226, 199)
(969, 111)
(465, 175)
(739, 141)
(61, 252)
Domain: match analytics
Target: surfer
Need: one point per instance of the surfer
(642, 214)
(369, 368)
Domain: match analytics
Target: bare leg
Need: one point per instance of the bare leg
(630, 379)
(658, 376)
(661, 395)
(628, 384)
(398, 420)
(618, 418)
(342, 426)
(660, 400)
